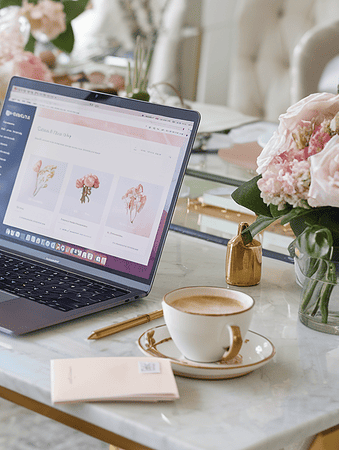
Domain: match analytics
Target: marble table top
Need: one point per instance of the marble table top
(292, 397)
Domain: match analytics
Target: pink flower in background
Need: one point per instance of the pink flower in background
(86, 183)
(134, 201)
(27, 65)
(47, 18)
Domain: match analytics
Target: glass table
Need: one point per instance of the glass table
(205, 208)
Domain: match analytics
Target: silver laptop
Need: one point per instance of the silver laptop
(88, 186)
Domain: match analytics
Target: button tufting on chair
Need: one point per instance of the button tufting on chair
(280, 50)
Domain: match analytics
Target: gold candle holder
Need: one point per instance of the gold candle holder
(243, 262)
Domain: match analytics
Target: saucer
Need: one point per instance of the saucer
(256, 351)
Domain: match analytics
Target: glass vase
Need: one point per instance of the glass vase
(319, 301)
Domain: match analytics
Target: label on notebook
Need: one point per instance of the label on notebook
(149, 367)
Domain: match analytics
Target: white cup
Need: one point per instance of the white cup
(207, 324)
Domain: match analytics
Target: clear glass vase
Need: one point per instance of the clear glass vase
(319, 302)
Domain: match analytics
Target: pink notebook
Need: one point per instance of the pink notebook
(112, 379)
(244, 154)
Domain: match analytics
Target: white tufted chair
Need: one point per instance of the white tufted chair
(275, 61)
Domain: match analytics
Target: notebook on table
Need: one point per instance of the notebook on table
(88, 186)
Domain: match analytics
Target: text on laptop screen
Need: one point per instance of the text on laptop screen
(89, 180)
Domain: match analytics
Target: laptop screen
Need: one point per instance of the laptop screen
(90, 178)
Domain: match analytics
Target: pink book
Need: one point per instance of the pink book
(112, 379)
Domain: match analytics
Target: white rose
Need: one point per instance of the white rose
(324, 188)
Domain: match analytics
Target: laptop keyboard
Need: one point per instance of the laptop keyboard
(57, 289)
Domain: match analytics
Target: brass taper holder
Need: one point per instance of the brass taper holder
(243, 261)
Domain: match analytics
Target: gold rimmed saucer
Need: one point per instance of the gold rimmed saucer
(255, 352)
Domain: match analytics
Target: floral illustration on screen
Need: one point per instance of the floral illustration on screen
(134, 201)
(86, 183)
(43, 175)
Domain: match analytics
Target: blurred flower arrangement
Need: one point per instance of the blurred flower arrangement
(298, 183)
(86, 183)
(24, 22)
(134, 201)
(43, 175)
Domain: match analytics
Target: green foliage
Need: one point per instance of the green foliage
(248, 195)
(316, 241)
(65, 41)
(6, 3)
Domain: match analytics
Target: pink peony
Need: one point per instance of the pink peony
(27, 65)
(324, 189)
(46, 17)
(296, 127)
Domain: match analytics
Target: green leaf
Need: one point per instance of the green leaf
(275, 212)
(294, 213)
(316, 241)
(65, 41)
(6, 3)
(256, 227)
(248, 195)
(74, 8)
(30, 44)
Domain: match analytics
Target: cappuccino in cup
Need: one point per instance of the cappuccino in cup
(207, 304)
(207, 324)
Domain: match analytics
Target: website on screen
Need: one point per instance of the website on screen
(90, 175)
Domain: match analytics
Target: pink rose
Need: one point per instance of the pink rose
(46, 17)
(79, 183)
(324, 189)
(91, 181)
(27, 65)
(37, 166)
(96, 182)
(298, 121)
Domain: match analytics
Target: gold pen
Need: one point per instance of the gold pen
(125, 325)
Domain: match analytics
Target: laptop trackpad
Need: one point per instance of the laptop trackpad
(4, 296)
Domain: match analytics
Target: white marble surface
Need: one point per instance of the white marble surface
(292, 397)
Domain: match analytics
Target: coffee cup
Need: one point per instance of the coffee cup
(207, 324)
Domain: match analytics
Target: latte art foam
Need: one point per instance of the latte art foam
(208, 304)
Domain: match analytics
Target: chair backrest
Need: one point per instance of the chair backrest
(267, 32)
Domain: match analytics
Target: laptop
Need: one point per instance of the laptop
(88, 187)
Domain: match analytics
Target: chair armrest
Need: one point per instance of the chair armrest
(315, 49)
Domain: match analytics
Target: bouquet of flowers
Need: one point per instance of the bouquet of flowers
(22, 23)
(50, 20)
(298, 183)
(43, 175)
(86, 183)
(134, 201)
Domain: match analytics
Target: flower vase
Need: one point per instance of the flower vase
(319, 301)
